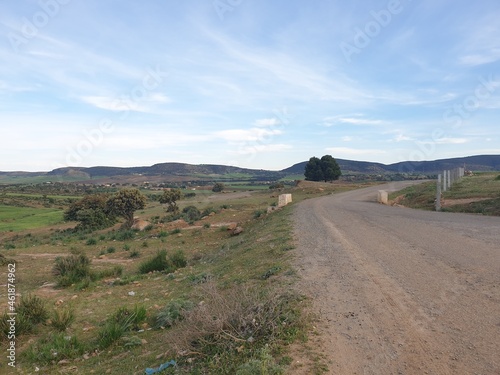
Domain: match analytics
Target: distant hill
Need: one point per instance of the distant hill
(474, 163)
(183, 171)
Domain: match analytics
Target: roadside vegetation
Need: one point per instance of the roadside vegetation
(207, 282)
(476, 194)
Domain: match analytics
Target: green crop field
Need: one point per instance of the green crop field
(21, 218)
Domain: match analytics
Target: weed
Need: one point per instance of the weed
(124, 235)
(258, 213)
(116, 271)
(163, 234)
(126, 247)
(54, 347)
(172, 313)
(149, 228)
(178, 259)
(158, 263)
(145, 244)
(176, 231)
(91, 242)
(110, 250)
(33, 308)
(71, 269)
(9, 246)
(206, 225)
(135, 254)
(272, 271)
(62, 319)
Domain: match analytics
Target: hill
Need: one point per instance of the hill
(186, 172)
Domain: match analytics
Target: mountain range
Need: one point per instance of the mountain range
(180, 171)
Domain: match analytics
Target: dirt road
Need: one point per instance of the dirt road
(400, 291)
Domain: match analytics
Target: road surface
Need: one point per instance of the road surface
(400, 291)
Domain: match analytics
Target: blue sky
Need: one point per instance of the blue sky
(253, 83)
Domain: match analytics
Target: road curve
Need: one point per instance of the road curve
(400, 291)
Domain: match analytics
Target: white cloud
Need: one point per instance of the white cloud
(247, 135)
(346, 139)
(267, 122)
(349, 152)
(450, 141)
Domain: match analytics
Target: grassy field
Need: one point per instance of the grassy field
(478, 194)
(23, 218)
(229, 309)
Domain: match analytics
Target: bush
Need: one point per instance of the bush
(121, 321)
(175, 231)
(9, 246)
(163, 234)
(172, 313)
(71, 269)
(191, 213)
(33, 308)
(258, 213)
(207, 211)
(62, 319)
(178, 259)
(110, 250)
(124, 235)
(116, 271)
(497, 178)
(218, 187)
(91, 242)
(158, 263)
(55, 347)
(135, 254)
(126, 247)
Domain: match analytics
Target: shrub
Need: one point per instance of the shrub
(111, 332)
(91, 242)
(126, 247)
(191, 213)
(258, 213)
(158, 263)
(218, 187)
(135, 254)
(110, 250)
(9, 246)
(33, 308)
(175, 231)
(207, 211)
(497, 178)
(149, 227)
(206, 225)
(145, 244)
(178, 259)
(71, 269)
(62, 319)
(116, 271)
(124, 235)
(121, 321)
(172, 313)
(54, 347)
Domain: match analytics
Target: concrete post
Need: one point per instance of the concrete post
(438, 194)
(383, 197)
(449, 179)
(445, 184)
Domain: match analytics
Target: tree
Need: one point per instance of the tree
(170, 198)
(325, 169)
(313, 171)
(125, 202)
(218, 187)
(91, 211)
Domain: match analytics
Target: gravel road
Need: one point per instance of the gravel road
(400, 291)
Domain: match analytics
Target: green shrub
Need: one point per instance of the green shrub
(497, 178)
(175, 231)
(71, 269)
(206, 225)
(145, 244)
(33, 308)
(172, 313)
(135, 254)
(54, 347)
(258, 213)
(9, 246)
(191, 213)
(91, 242)
(119, 323)
(163, 234)
(149, 227)
(178, 259)
(109, 333)
(207, 211)
(116, 271)
(158, 263)
(62, 319)
(126, 247)
(110, 250)
(124, 235)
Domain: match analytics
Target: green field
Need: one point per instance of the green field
(22, 218)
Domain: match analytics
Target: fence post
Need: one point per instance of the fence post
(438, 194)
(445, 184)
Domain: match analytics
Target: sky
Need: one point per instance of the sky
(251, 83)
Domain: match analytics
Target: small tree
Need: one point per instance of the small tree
(91, 211)
(170, 198)
(125, 203)
(218, 187)
(325, 169)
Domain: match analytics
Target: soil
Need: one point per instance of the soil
(398, 291)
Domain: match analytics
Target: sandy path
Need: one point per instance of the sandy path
(400, 291)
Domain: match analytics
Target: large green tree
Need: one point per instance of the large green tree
(125, 202)
(324, 169)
